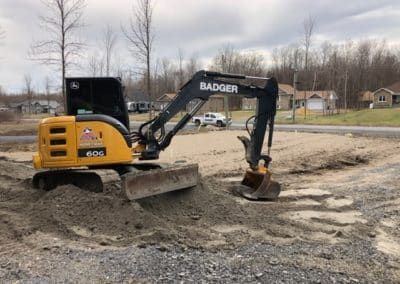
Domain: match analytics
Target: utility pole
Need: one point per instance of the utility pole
(226, 109)
(294, 95)
(305, 98)
(345, 93)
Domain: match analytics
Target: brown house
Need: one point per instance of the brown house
(284, 99)
(387, 97)
(365, 98)
(214, 104)
(164, 100)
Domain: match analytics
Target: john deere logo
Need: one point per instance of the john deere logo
(74, 85)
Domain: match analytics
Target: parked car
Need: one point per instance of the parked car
(211, 118)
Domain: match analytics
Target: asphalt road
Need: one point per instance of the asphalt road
(392, 132)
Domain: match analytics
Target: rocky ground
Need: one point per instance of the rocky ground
(337, 219)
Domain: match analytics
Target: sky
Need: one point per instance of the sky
(199, 28)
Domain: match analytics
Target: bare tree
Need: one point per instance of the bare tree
(308, 26)
(28, 91)
(47, 87)
(63, 20)
(180, 67)
(140, 35)
(95, 64)
(2, 34)
(192, 66)
(109, 41)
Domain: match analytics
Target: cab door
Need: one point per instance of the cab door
(207, 118)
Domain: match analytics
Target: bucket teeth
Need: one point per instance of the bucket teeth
(258, 186)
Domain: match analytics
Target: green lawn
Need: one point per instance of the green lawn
(145, 117)
(366, 117)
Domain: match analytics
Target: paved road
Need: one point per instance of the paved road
(355, 130)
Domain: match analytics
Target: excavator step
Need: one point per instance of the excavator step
(140, 184)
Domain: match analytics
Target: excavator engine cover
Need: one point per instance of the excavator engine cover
(258, 186)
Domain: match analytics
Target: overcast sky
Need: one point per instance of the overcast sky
(198, 27)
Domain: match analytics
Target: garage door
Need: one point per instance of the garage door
(314, 104)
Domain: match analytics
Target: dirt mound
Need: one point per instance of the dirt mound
(188, 217)
(181, 217)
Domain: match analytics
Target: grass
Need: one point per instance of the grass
(145, 117)
(365, 117)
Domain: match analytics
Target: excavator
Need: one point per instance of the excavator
(92, 145)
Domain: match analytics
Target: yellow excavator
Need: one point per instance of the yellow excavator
(92, 145)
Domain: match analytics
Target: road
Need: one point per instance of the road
(393, 132)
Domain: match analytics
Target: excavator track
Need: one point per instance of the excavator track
(138, 180)
(87, 179)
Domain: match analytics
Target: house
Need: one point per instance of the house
(387, 97)
(164, 100)
(215, 103)
(319, 101)
(365, 98)
(284, 99)
(36, 106)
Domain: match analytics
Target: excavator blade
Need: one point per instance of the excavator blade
(140, 184)
(258, 186)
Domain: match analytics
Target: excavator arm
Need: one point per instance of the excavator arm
(153, 138)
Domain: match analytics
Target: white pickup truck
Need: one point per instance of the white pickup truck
(211, 118)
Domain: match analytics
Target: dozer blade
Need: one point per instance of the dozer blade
(258, 186)
(140, 184)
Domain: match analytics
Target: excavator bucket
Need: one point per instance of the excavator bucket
(258, 186)
(140, 184)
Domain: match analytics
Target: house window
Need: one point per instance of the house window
(382, 99)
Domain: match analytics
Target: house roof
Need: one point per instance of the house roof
(384, 89)
(395, 87)
(166, 97)
(51, 103)
(285, 88)
(328, 94)
(366, 96)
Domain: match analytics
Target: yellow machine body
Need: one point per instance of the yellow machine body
(63, 143)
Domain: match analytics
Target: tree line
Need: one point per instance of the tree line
(348, 68)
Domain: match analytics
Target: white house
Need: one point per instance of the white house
(37, 106)
(317, 100)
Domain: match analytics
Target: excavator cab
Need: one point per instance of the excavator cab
(104, 95)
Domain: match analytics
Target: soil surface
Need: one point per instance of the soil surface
(20, 127)
(337, 218)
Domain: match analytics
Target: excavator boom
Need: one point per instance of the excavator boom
(257, 183)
